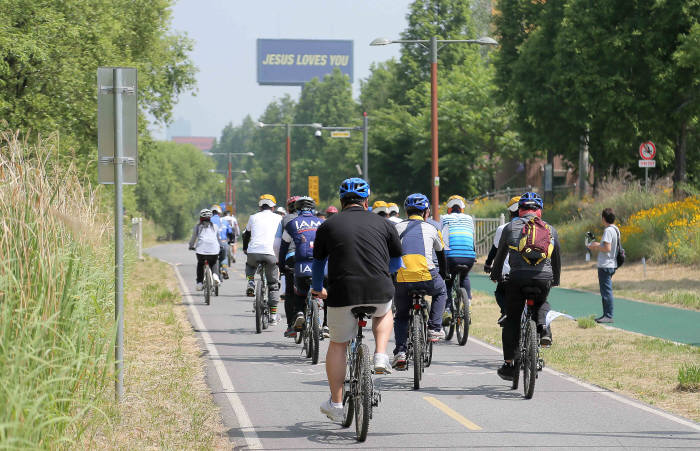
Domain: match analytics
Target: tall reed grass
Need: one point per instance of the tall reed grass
(55, 296)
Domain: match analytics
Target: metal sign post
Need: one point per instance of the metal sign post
(117, 138)
(647, 151)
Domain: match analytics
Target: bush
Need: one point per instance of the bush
(689, 377)
(586, 322)
(55, 297)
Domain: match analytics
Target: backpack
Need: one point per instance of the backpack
(620, 256)
(536, 243)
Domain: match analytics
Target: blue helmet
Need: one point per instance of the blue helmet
(530, 200)
(354, 187)
(417, 201)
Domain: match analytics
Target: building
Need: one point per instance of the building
(203, 143)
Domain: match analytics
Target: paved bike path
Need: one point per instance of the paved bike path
(269, 394)
(679, 325)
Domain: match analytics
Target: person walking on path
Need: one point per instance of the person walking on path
(607, 250)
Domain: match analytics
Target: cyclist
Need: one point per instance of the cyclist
(231, 220)
(330, 211)
(379, 207)
(205, 243)
(288, 259)
(419, 239)
(224, 233)
(301, 231)
(393, 211)
(261, 243)
(500, 292)
(361, 250)
(458, 233)
(542, 273)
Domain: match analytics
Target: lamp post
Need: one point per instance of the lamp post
(289, 145)
(365, 129)
(228, 177)
(433, 42)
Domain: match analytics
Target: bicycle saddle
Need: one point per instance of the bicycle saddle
(417, 292)
(364, 311)
(461, 268)
(535, 291)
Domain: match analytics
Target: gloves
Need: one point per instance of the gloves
(191, 248)
(487, 269)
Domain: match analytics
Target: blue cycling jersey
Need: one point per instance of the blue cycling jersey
(458, 233)
(302, 231)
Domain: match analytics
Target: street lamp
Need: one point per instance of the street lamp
(229, 188)
(289, 145)
(434, 41)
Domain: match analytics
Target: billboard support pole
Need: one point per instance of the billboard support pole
(289, 151)
(365, 168)
(118, 237)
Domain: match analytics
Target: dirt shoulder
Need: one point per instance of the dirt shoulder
(167, 402)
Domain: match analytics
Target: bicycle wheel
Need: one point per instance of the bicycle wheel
(363, 399)
(308, 346)
(261, 288)
(417, 341)
(462, 318)
(530, 360)
(207, 285)
(348, 399)
(216, 289)
(258, 309)
(315, 332)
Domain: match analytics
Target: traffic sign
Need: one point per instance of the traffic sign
(313, 188)
(647, 163)
(340, 134)
(647, 150)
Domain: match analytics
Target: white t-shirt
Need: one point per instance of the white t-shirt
(394, 219)
(496, 239)
(207, 240)
(232, 221)
(265, 233)
(608, 259)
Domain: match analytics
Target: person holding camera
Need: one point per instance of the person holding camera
(608, 249)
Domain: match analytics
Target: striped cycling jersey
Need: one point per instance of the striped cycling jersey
(458, 233)
(419, 239)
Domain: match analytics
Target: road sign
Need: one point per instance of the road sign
(106, 124)
(647, 151)
(647, 163)
(313, 188)
(340, 134)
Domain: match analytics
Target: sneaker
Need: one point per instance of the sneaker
(274, 319)
(200, 287)
(224, 273)
(250, 291)
(446, 318)
(502, 319)
(435, 335)
(233, 259)
(217, 281)
(382, 364)
(326, 332)
(604, 320)
(335, 414)
(546, 337)
(506, 372)
(399, 362)
(290, 333)
(299, 321)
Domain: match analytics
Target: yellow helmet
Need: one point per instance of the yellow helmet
(217, 208)
(267, 199)
(456, 200)
(513, 204)
(379, 207)
(392, 208)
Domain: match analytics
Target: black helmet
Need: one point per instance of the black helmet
(305, 203)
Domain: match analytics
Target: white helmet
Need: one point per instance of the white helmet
(456, 200)
(205, 213)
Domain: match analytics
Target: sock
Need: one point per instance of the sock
(337, 405)
(250, 278)
(273, 310)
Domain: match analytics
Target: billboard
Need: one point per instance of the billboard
(296, 61)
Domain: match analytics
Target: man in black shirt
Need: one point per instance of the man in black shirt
(361, 250)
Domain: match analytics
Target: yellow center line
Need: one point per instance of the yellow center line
(453, 414)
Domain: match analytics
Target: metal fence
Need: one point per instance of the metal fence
(484, 230)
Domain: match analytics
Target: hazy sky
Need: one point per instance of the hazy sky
(225, 33)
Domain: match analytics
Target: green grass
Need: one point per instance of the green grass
(690, 299)
(56, 316)
(586, 322)
(689, 377)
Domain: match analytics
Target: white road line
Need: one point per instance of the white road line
(251, 437)
(608, 393)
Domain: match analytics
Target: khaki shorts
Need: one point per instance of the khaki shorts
(342, 323)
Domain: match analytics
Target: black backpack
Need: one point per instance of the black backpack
(620, 256)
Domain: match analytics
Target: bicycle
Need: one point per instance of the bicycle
(208, 284)
(527, 356)
(262, 309)
(419, 347)
(312, 327)
(359, 395)
(460, 308)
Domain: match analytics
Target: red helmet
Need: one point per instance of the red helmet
(331, 210)
(290, 202)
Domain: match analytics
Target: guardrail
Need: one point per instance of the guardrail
(484, 230)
